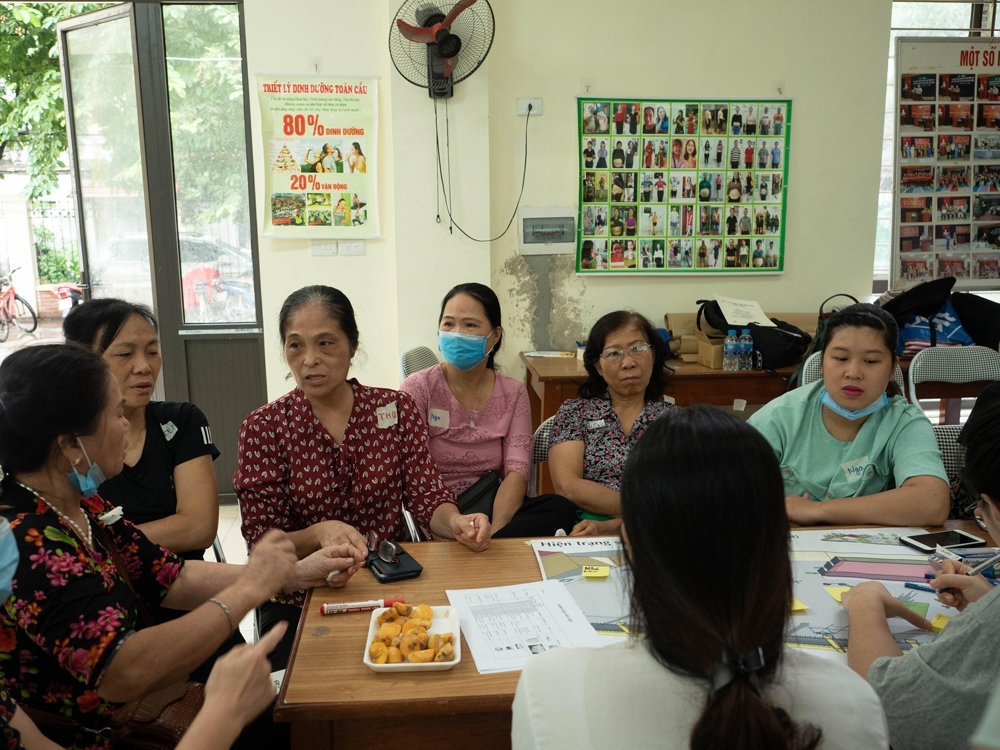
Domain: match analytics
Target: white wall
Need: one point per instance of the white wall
(397, 286)
(831, 58)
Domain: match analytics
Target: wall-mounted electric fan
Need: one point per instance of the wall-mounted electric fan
(436, 45)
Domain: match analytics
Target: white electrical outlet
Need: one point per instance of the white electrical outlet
(352, 247)
(323, 247)
(536, 107)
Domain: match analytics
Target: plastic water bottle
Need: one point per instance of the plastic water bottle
(731, 351)
(746, 350)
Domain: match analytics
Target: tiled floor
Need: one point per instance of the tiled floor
(235, 550)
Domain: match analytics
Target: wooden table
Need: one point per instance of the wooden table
(552, 380)
(334, 701)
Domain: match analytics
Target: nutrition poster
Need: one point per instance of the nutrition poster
(320, 145)
(946, 187)
(682, 186)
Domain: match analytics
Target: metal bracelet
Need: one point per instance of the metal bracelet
(229, 615)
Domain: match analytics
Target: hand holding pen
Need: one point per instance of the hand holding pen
(958, 584)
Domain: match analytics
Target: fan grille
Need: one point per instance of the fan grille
(474, 27)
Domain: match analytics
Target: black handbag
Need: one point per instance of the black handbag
(479, 497)
(774, 347)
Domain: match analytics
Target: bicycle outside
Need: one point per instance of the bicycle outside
(14, 309)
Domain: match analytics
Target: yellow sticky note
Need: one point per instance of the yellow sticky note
(596, 571)
(938, 623)
(798, 606)
(837, 591)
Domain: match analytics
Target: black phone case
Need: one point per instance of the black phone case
(405, 567)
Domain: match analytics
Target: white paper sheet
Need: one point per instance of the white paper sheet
(506, 625)
(740, 312)
(879, 541)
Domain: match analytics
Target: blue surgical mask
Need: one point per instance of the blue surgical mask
(462, 350)
(9, 557)
(89, 482)
(827, 400)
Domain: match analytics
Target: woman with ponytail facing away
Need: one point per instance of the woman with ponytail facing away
(711, 589)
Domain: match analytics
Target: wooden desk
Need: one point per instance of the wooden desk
(334, 701)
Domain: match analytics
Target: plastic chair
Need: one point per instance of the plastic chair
(812, 371)
(220, 556)
(414, 360)
(953, 364)
(952, 454)
(539, 453)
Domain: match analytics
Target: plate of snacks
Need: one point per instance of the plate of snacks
(402, 638)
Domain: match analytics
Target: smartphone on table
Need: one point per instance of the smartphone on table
(947, 539)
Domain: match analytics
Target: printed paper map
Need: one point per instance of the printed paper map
(604, 601)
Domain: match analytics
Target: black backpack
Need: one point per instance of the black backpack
(924, 300)
(773, 347)
(980, 317)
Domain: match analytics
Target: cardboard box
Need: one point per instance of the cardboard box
(710, 350)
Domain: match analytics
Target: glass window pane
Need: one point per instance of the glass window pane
(881, 266)
(205, 83)
(110, 165)
(931, 15)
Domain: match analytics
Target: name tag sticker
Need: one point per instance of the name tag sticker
(439, 418)
(169, 430)
(594, 424)
(596, 571)
(387, 416)
(854, 470)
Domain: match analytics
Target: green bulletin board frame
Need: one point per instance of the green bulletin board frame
(674, 212)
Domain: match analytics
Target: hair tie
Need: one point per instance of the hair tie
(745, 665)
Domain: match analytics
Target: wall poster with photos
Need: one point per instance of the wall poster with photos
(682, 186)
(946, 187)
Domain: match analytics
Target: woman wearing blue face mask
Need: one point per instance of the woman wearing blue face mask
(479, 421)
(852, 450)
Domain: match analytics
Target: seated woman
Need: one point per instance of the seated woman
(479, 420)
(951, 678)
(712, 670)
(592, 435)
(851, 449)
(334, 460)
(78, 639)
(167, 486)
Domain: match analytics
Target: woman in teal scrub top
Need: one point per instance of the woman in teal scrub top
(851, 449)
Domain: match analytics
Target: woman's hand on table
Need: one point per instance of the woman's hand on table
(330, 566)
(271, 563)
(472, 530)
(872, 595)
(955, 588)
(334, 533)
(588, 527)
(802, 510)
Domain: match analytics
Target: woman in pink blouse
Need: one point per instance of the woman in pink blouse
(333, 459)
(479, 420)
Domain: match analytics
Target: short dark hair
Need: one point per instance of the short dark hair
(333, 302)
(981, 438)
(491, 304)
(96, 323)
(739, 603)
(47, 391)
(867, 315)
(594, 386)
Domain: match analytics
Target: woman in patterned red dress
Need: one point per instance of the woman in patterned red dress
(333, 459)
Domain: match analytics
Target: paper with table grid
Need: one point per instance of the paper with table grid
(505, 626)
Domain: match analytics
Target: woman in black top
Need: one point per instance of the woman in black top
(167, 486)
(618, 156)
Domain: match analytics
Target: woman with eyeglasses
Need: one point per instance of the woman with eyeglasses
(963, 504)
(592, 435)
(951, 678)
(333, 460)
(851, 449)
(711, 669)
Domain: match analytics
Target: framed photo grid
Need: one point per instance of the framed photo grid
(682, 186)
(946, 188)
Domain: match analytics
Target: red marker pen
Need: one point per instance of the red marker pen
(336, 608)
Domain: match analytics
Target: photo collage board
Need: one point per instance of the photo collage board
(946, 212)
(682, 186)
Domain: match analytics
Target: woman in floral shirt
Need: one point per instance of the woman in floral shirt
(73, 635)
(334, 459)
(592, 435)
